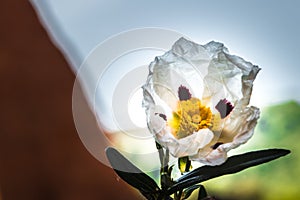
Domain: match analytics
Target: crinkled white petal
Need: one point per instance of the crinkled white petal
(157, 124)
(185, 64)
(214, 157)
(186, 146)
(228, 76)
(240, 126)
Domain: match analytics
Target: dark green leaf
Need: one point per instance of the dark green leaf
(232, 165)
(131, 174)
(202, 193)
(187, 192)
(170, 170)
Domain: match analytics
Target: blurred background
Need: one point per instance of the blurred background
(41, 155)
(43, 44)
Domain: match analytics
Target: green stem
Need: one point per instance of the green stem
(164, 160)
(165, 179)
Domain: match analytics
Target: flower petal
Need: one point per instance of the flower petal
(156, 122)
(239, 128)
(229, 76)
(189, 145)
(215, 157)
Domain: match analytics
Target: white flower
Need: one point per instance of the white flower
(196, 99)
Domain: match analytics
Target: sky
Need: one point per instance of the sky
(263, 32)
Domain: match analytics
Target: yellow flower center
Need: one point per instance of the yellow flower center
(190, 117)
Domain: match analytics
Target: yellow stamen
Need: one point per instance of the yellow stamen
(190, 117)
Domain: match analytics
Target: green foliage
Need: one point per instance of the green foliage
(188, 191)
(281, 122)
(232, 165)
(132, 175)
(202, 193)
(186, 184)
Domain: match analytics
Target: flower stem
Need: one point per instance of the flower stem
(164, 160)
(165, 176)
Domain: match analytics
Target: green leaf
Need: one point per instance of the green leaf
(132, 175)
(202, 193)
(170, 170)
(232, 165)
(187, 192)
